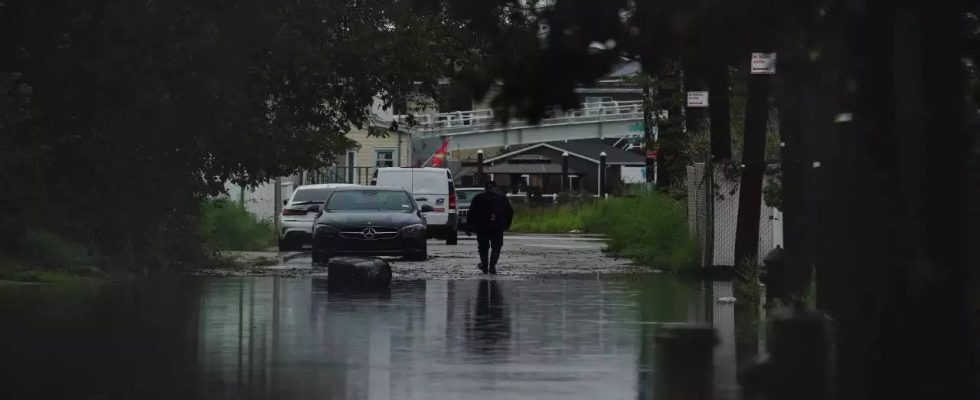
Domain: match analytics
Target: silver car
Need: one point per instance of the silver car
(299, 212)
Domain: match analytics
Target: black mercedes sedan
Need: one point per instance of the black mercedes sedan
(369, 221)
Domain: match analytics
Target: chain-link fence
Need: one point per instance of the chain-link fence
(712, 200)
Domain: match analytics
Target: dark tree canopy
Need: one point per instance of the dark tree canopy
(126, 109)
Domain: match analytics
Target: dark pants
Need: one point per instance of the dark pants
(492, 240)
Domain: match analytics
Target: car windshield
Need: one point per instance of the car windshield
(370, 200)
(317, 195)
(466, 196)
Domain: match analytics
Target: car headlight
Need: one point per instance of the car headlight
(413, 230)
(326, 229)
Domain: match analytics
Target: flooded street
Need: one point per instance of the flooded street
(523, 256)
(289, 338)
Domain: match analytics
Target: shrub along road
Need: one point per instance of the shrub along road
(523, 256)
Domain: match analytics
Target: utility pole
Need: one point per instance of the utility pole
(564, 173)
(602, 175)
(479, 167)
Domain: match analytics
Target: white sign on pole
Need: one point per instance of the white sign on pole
(697, 99)
(764, 63)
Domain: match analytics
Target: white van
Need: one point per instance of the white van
(430, 186)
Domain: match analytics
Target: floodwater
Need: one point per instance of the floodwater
(289, 338)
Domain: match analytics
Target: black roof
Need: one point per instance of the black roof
(587, 148)
(592, 147)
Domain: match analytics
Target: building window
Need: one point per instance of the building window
(384, 158)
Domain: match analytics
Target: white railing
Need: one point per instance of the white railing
(460, 122)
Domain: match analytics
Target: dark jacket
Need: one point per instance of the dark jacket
(489, 212)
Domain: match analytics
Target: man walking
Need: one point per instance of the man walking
(489, 216)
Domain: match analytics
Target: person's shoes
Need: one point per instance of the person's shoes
(493, 270)
(482, 267)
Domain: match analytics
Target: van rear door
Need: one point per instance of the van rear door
(396, 177)
(432, 187)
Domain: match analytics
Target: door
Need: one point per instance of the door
(431, 187)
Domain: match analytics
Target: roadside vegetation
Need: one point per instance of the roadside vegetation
(648, 227)
(43, 256)
(226, 225)
(564, 218)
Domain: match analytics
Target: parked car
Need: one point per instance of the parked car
(464, 196)
(370, 220)
(430, 187)
(299, 212)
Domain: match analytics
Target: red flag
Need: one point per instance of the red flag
(439, 158)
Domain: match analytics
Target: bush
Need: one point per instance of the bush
(557, 219)
(53, 252)
(43, 256)
(649, 228)
(646, 226)
(226, 225)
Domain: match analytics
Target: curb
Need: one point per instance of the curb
(291, 255)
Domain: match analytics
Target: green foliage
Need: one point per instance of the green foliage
(226, 225)
(772, 192)
(117, 118)
(54, 252)
(44, 256)
(563, 218)
(647, 227)
(748, 290)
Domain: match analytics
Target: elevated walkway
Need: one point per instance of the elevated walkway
(480, 129)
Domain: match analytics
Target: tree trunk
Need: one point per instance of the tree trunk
(753, 157)
(693, 81)
(720, 111)
(671, 163)
(896, 194)
(798, 124)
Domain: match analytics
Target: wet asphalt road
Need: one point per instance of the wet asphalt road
(560, 322)
(283, 338)
(523, 256)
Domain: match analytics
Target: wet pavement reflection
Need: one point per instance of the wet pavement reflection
(293, 339)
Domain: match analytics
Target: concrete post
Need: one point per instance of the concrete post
(479, 168)
(684, 362)
(602, 175)
(564, 173)
(800, 362)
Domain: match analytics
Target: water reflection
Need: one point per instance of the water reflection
(488, 326)
(294, 339)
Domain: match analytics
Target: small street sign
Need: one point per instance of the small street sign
(764, 63)
(697, 99)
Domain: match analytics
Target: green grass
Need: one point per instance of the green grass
(647, 227)
(560, 219)
(226, 225)
(44, 256)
